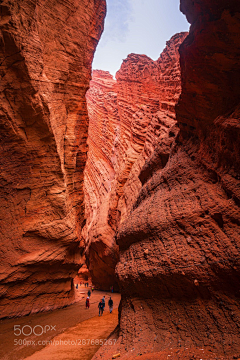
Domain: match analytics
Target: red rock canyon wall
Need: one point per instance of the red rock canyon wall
(129, 117)
(101, 249)
(46, 53)
(179, 261)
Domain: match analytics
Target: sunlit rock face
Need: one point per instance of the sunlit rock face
(179, 247)
(101, 249)
(131, 119)
(46, 50)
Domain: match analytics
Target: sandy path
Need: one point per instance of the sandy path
(53, 323)
(80, 342)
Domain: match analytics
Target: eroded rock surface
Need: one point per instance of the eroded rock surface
(83, 276)
(131, 118)
(46, 50)
(179, 247)
(101, 250)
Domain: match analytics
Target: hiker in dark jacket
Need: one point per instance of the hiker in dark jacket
(101, 307)
(103, 300)
(110, 304)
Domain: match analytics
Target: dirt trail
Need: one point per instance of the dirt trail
(80, 342)
(49, 325)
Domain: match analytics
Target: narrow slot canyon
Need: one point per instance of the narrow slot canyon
(125, 186)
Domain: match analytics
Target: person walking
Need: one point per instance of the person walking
(87, 302)
(110, 304)
(89, 293)
(103, 301)
(101, 308)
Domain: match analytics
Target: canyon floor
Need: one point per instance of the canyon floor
(75, 332)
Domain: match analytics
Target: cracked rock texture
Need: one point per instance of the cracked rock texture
(46, 51)
(131, 120)
(179, 267)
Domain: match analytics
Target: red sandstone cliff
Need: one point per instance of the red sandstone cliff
(179, 248)
(46, 50)
(129, 117)
(101, 250)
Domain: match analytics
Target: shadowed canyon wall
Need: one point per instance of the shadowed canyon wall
(46, 51)
(129, 118)
(179, 267)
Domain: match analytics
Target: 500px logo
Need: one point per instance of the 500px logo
(24, 342)
(37, 330)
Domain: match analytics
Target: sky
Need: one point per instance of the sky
(137, 26)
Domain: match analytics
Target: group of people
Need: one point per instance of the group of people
(86, 285)
(101, 305)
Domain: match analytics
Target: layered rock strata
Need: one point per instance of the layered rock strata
(179, 248)
(46, 50)
(101, 249)
(130, 118)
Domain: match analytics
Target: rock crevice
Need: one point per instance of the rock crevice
(131, 120)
